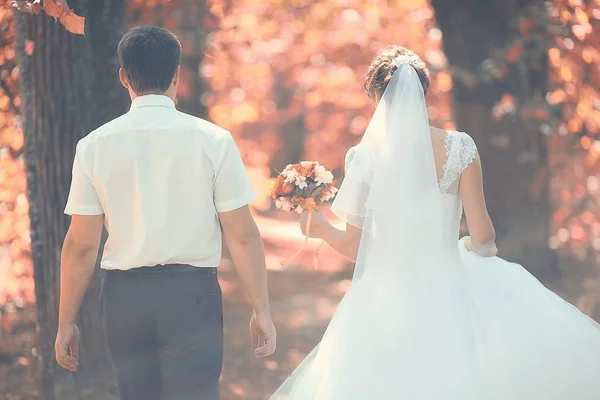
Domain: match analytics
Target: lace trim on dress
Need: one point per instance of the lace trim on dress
(460, 151)
(449, 170)
(468, 152)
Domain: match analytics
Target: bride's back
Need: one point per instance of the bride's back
(453, 152)
(440, 153)
(460, 183)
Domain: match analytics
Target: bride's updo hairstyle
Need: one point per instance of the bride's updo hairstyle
(382, 67)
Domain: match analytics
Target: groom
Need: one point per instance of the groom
(163, 183)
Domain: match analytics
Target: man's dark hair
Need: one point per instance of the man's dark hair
(149, 56)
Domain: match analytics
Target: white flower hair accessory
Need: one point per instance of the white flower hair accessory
(410, 58)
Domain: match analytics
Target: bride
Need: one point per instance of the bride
(429, 316)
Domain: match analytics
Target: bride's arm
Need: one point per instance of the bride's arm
(481, 229)
(345, 242)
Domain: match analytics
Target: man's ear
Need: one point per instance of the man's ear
(176, 76)
(123, 78)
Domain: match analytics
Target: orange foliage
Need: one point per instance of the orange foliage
(575, 76)
(268, 65)
(16, 271)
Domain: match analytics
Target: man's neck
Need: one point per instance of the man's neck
(170, 94)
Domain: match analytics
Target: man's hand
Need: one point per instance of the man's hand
(67, 338)
(78, 257)
(247, 252)
(318, 224)
(263, 331)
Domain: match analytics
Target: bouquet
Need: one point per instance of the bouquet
(303, 187)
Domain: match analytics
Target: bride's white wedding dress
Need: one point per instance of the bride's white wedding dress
(425, 319)
(447, 324)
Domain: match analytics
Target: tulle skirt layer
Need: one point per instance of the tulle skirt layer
(474, 329)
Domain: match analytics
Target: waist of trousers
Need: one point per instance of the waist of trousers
(165, 269)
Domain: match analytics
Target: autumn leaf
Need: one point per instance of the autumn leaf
(53, 9)
(59, 9)
(73, 23)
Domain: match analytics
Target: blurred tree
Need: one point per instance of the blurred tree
(497, 54)
(69, 87)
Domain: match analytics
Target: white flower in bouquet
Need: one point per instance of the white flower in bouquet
(283, 204)
(323, 176)
(301, 182)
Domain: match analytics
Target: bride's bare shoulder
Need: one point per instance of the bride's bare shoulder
(439, 139)
(439, 134)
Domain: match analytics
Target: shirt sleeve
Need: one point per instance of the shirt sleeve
(83, 198)
(232, 187)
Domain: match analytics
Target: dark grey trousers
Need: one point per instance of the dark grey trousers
(164, 328)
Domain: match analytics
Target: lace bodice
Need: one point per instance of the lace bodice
(461, 151)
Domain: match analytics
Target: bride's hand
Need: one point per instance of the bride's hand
(486, 251)
(318, 224)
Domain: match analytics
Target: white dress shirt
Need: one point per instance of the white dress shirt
(159, 176)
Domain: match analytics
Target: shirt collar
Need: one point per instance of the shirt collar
(152, 100)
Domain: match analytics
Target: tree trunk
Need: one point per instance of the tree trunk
(42, 294)
(513, 152)
(291, 127)
(193, 31)
(70, 87)
(105, 25)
